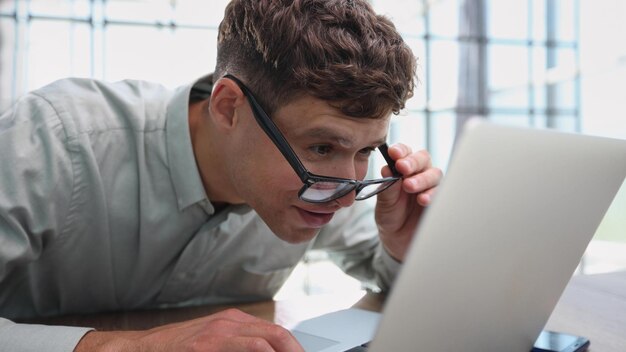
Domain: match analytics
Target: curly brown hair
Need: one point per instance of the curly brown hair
(340, 51)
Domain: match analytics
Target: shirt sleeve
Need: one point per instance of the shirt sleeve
(36, 181)
(35, 189)
(351, 241)
(35, 338)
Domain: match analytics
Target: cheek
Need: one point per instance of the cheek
(277, 179)
(263, 173)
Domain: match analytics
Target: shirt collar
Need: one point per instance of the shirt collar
(183, 168)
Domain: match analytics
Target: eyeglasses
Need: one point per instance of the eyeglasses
(317, 189)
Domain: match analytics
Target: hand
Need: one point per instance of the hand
(229, 330)
(399, 208)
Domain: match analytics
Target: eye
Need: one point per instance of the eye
(366, 151)
(321, 149)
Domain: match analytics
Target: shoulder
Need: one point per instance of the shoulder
(90, 93)
(88, 105)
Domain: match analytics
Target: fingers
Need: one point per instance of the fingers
(422, 181)
(419, 176)
(263, 337)
(425, 198)
(229, 330)
(407, 161)
(236, 330)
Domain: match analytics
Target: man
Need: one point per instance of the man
(126, 195)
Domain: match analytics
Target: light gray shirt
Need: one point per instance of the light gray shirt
(102, 208)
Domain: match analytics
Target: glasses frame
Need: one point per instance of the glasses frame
(308, 178)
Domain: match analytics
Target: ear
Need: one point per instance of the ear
(226, 99)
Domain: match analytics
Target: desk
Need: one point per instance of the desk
(593, 306)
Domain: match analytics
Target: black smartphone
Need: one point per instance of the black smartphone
(550, 341)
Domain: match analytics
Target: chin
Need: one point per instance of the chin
(295, 236)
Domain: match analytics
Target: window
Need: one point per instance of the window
(44, 40)
(535, 63)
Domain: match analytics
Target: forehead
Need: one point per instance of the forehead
(309, 117)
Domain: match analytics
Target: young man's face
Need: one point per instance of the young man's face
(327, 142)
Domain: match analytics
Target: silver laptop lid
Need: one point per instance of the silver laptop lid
(501, 240)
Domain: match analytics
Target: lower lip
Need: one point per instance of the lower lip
(315, 220)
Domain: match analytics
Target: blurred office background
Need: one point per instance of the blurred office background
(557, 64)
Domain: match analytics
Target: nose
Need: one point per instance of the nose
(346, 200)
(346, 169)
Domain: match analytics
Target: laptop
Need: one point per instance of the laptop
(496, 248)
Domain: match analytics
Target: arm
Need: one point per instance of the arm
(30, 337)
(33, 200)
(229, 330)
(35, 183)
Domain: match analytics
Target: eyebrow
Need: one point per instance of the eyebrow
(329, 134)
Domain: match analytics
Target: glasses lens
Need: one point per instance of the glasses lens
(325, 191)
(374, 188)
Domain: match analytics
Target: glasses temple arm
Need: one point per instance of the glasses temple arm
(272, 131)
(390, 162)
